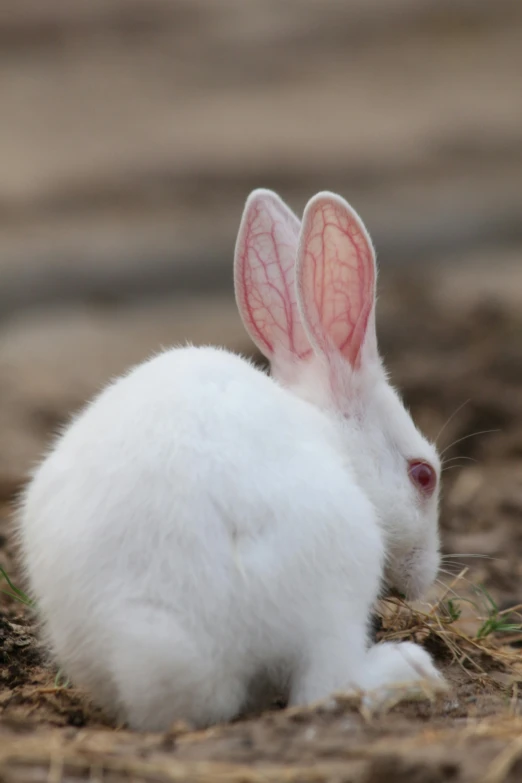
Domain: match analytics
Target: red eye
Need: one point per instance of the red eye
(423, 476)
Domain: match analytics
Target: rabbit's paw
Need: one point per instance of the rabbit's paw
(397, 670)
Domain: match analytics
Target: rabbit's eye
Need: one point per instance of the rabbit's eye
(423, 476)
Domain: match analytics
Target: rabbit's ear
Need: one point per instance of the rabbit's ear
(264, 277)
(335, 275)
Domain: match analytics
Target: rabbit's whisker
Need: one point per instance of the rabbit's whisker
(452, 459)
(466, 437)
(450, 419)
(454, 575)
(451, 467)
(467, 554)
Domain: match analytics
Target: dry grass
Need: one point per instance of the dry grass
(454, 622)
(412, 734)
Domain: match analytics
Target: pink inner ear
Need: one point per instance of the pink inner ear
(336, 277)
(265, 277)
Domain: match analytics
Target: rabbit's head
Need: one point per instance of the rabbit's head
(306, 293)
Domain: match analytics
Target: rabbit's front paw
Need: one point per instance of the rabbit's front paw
(393, 667)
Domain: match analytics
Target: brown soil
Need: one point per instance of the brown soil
(465, 361)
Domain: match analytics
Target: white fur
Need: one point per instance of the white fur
(200, 529)
(172, 541)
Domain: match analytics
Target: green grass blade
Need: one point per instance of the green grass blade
(16, 593)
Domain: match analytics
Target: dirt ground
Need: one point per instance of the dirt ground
(454, 354)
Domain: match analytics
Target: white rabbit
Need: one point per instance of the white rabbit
(201, 527)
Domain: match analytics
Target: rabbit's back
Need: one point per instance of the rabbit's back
(188, 453)
(198, 488)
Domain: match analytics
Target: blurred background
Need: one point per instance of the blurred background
(132, 132)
